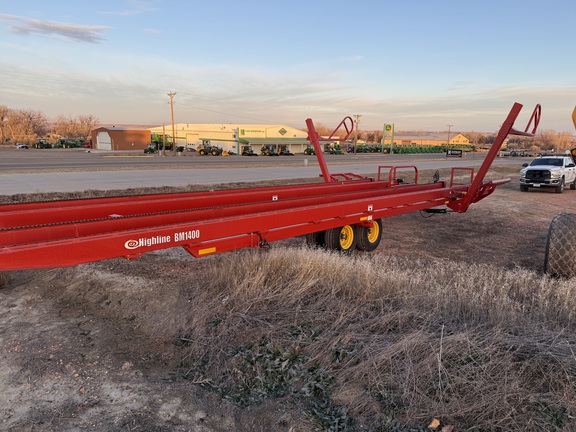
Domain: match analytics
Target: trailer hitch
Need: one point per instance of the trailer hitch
(263, 243)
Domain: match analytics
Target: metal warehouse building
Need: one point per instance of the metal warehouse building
(231, 137)
(117, 138)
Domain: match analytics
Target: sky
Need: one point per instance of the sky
(419, 64)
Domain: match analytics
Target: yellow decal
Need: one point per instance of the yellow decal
(206, 251)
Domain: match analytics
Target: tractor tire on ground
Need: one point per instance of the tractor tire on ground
(315, 239)
(560, 256)
(369, 238)
(342, 239)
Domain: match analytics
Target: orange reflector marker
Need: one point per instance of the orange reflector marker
(207, 251)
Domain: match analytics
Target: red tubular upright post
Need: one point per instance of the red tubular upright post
(506, 129)
(314, 138)
(347, 123)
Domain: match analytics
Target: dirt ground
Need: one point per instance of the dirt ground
(72, 359)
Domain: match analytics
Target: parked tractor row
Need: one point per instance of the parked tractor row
(267, 150)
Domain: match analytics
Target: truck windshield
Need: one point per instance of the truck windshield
(547, 161)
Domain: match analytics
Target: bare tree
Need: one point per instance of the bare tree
(64, 126)
(549, 139)
(369, 136)
(564, 141)
(23, 125)
(86, 123)
(323, 130)
(4, 117)
(476, 138)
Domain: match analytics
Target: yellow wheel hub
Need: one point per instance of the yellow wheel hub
(346, 237)
(373, 233)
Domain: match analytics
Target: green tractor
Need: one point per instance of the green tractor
(333, 149)
(158, 143)
(151, 148)
(43, 144)
(154, 147)
(309, 151)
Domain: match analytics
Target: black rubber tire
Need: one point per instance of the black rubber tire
(342, 239)
(560, 187)
(523, 188)
(369, 238)
(315, 239)
(573, 185)
(560, 255)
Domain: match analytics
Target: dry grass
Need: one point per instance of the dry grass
(377, 342)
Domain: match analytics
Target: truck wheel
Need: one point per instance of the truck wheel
(369, 238)
(315, 239)
(560, 187)
(342, 239)
(560, 255)
(523, 188)
(573, 185)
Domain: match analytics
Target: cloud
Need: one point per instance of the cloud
(79, 33)
(137, 7)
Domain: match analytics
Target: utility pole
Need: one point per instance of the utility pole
(172, 94)
(163, 139)
(448, 140)
(357, 121)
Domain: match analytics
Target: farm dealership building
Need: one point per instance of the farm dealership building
(231, 137)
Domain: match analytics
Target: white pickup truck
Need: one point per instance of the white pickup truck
(549, 171)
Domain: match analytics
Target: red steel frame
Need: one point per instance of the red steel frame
(66, 233)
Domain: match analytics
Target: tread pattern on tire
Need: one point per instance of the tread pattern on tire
(332, 239)
(560, 256)
(363, 243)
(315, 239)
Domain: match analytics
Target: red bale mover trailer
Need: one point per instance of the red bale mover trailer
(343, 213)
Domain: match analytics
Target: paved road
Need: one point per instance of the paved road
(43, 172)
